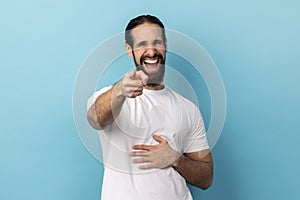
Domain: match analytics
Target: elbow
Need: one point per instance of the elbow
(205, 183)
(208, 181)
(202, 185)
(206, 186)
(93, 121)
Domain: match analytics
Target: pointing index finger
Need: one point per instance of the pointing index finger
(142, 76)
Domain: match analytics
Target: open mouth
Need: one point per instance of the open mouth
(151, 61)
(151, 64)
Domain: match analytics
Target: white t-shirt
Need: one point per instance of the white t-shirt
(160, 112)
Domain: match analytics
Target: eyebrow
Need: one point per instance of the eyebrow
(141, 43)
(156, 41)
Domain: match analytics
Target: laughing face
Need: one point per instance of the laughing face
(149, 51)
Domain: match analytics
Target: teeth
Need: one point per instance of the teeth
(151, 61)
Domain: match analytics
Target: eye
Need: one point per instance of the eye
(141, 44)
(158, 42)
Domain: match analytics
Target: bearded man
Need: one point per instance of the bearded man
(153, 139)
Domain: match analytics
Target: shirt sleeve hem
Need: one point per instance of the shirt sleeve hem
(196, 149)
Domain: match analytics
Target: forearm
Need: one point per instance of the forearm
(197, 173)
(106, 107)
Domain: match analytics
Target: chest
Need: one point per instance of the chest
(143, 117)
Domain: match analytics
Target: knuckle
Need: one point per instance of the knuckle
(130, 94)
(127, 89)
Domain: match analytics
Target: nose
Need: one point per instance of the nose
(150, 51)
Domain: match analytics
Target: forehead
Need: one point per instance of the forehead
(147, 32)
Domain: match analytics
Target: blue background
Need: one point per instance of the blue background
(255, 45)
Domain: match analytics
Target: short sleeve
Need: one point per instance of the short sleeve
(96, 94)
(196, 139)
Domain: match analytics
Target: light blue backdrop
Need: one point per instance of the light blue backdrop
(255, 45)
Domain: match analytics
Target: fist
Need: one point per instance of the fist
(132, 84)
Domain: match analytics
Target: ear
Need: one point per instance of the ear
(128, 50)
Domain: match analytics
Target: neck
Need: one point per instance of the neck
(154, 86)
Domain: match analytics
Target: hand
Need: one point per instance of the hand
(132, 84)
(157, 156)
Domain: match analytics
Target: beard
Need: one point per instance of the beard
(156, 77)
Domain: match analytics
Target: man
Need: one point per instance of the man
(153, 139)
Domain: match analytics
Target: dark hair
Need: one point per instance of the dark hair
(141, 20)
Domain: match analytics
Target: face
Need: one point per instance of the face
(149, 51)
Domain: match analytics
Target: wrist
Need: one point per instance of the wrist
(117, 90)
(178, 162)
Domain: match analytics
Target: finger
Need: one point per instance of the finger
(137, 89)
(142, 147)
(133, 83)
(142, 76)
(133, 89)
(134, 94)
(158, 138)
(148, 166)
(141, 160)
(139, 153)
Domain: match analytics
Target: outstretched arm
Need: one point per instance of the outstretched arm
(108, 104)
